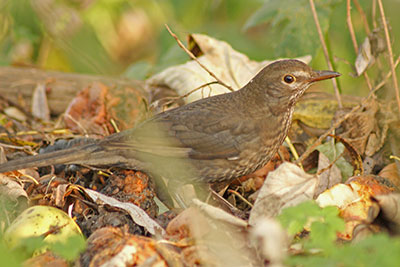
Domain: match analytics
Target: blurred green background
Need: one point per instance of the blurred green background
(128, 37)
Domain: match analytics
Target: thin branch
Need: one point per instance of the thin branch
(363, 16)
(195, 59)
(389, 47)
(343, 118)
(354, 40)
(373, 14)
(241, 197)
(175, 99)
(330, 164)
(350, 26)
(325, 49)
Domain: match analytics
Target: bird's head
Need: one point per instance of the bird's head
(284, 81)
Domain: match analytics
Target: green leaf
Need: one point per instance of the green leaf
(8, 258)
(263, 15)
(29, 245)
(295, 218)
(70, 249)
(292, 25)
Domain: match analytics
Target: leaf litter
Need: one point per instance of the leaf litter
(117, 211)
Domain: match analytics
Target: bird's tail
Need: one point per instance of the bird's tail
(73, 155)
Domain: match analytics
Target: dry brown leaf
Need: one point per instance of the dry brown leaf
(224, 235)
(59, 195)
(182, 226)
(11, 189)
(329, 177)
(219, 214)
(287, 186)
(360, 127)
(232, 67)
(220, 238)
(40, 107)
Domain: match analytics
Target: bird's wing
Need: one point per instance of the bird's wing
(195, 133)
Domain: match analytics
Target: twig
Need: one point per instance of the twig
(241, 197)
(174, 99)
(389, 47)
(330, 164)
(325, 49)
(373, 14)
(195, 59)
(354, 40)
(350, 26)
(343, 118)
(363, 16)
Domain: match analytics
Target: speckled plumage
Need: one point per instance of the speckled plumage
(214, 139)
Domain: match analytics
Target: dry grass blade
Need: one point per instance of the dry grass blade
(325, 49)
(389, 48)
(363, 16)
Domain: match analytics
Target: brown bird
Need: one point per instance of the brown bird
(214, 139)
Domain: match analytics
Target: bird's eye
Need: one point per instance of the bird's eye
(289, 78)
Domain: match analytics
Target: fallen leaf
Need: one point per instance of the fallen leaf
(357, 129)
(219, 214)
(138, 215)
(224, 235)
(40, 107)
(328, 177)
(287, 186)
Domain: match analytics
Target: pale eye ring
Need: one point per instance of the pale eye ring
(289, 78)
